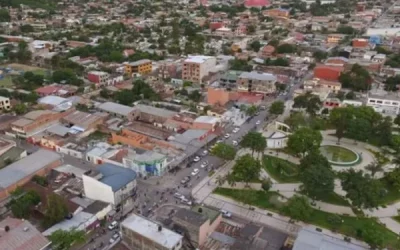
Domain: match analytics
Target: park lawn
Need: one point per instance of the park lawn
(256, 198)
(397, 218)
(332, 198)
(6, 82)
(351, 226)
(288, 172)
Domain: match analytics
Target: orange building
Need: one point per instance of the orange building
(276, 13)
(360, 43)
(219, 96)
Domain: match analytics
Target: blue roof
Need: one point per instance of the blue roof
(116, 177)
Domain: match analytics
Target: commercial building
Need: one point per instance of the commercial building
(5, 103)
(141, 67)
(309, 239)
(195, 68)
(22, 171)
(140, 233)
(36, 121)
(257, 82)
(116, 109)
(98, 77)
(19, 234)
(85, 122)
(384, 103)
(152, 114)
(146, 162)
(198, 222)
(110, 183)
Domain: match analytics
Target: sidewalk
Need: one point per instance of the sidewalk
(267, 218)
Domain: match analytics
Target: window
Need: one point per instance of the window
(379, 102)
(372, 101)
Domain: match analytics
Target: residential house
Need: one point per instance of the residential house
(21, 234)
(98, 77)
(257, 82)
(328, 72)
(384, 103)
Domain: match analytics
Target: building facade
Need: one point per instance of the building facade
(386, 105)
(98, 77)
(257, 82)
(197, 67)
(5, 103)
(143, 66)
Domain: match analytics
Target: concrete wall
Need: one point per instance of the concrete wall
(96, 190)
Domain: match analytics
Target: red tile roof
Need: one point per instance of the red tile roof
(257, 3)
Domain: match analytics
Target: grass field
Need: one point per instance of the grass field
(350, 226)
(6, 82)
(281, 170)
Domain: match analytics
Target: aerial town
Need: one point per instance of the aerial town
(199, 124)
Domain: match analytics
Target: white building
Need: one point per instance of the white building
(140, 233)
(197, 67)
(146, 163)
(110, 183)
(386, 104)
(309, 2)
(5, 103)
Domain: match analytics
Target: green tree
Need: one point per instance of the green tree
(19, 108)
(374, 167)
(26, 28)
(298, 208)
(364, 191)
(309, 102)
(340, 117)
(316, 175)
(56, 210)
(304, 140)
(63, 240)
(277, 108)
(393, 178)
(255, 45)
(4, 15)
(254, 141)
(22, 203)
(125, 97)
(251, 110)
(195, 96)
(286, 49)
(334, 220)
(246, 169)
(240, 65)
(296, 120)
(224, 151)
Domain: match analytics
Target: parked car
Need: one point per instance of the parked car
(204, 164)
(227, 136)
(205, 152)
(186, 201)
(258, 122)
(178, 196)
(185, 180)
(114, 238)
(235, 143)
(226, 214)
(195, 172)
(113, 225)
(235, 130)
(196, 159)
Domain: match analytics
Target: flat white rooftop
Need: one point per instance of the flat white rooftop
(149, 229)
(198, 59)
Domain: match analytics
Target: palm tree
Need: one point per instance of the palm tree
(374, 167)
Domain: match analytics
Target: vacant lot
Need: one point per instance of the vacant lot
(17, 66)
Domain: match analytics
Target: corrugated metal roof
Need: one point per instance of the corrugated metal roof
(114, 176)
(26, 166)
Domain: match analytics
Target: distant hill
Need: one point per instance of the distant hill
(42, 4)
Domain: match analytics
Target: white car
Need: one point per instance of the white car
(235, 130)
(204, 164)
(114, 238)
(205, 152)
(235, 143)
(178, 196)
(226, 214)
(186, 201)
(258, 122)
(113, 225)
(227, 136)
(196, 159)
(218, 141)
(195, 171)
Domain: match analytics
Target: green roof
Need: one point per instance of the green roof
(212, 214)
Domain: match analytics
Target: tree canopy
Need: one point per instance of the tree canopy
(304, 140)
(254, 141)
(277, 108)
(311, 103)
(298, 208)
(63, 240)
(246, 169)
(362, 190)
(357, 79)
(224, 151)
(56, 210)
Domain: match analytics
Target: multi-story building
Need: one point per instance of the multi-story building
(110, 183)
(328, 72)
(98, 77)
(335, 38)
(5, 103)
(257, 82)
(146, 162)
(140, 233)
(197, 67)
(143, 66)
(386, 104)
